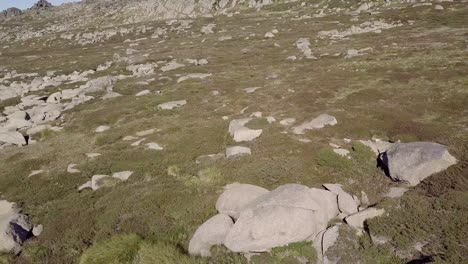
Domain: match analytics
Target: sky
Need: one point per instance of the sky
(24, 4)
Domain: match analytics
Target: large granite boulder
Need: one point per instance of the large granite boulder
(236, 196)
(413, 162)
(210, 233)
(290, 213)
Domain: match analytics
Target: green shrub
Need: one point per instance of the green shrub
(119, 249)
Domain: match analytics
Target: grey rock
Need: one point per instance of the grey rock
(290, 213)
(210, 233)
(236, 196)
(237, 151)
(413, 162)
(357, 220)
(13, 137)
(14, 228)
(316, 123)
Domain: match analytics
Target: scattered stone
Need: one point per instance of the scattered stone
(357, 220)
(71, 168)
(101, 181)
(210, 233)
(236, 197)
(193, 76)
(377, 146)
(251, 89)
(101, 129)
(172, 65)
(240, 132)
(35, 172)
(93, 155)
(123, 175)
(396, 192)
(154, 146)
(269, 35)
(342, 152)
(438, 7)
(237, 151)
(172, 105)
(208, 29)
(304, 45)
(142, 93)
(288, 121)
(317, 123)
(138, 142)
(129, 138)
(37, 230)
(413, 162)
(208, 159)
(110, 95)
(145, 133)
(37, 129)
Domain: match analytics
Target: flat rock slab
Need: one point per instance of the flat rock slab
(357, 220)
(237, 151)
(316, 123)
(413, 162)
(240, 132)
(172, 105)
(101, 129)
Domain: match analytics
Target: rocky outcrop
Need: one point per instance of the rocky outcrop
(10, 12)
(41, 4)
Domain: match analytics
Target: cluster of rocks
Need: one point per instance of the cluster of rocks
(101, 181)
(15, 228)
(253, 219)
(34, 112)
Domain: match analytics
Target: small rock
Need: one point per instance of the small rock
(138, 142)
(316, 123)
(396, 192)
(154, 146)
(36, 172)
(37, 230)
(101, 129)
(211, 158)
(142, 93)
(123, 175)
(357, 220)
(288, 121)
(93, 155)
(71, 168)
(240, 132)
(172, 105)
(237, 151)
(129, 138)
(145, 133)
